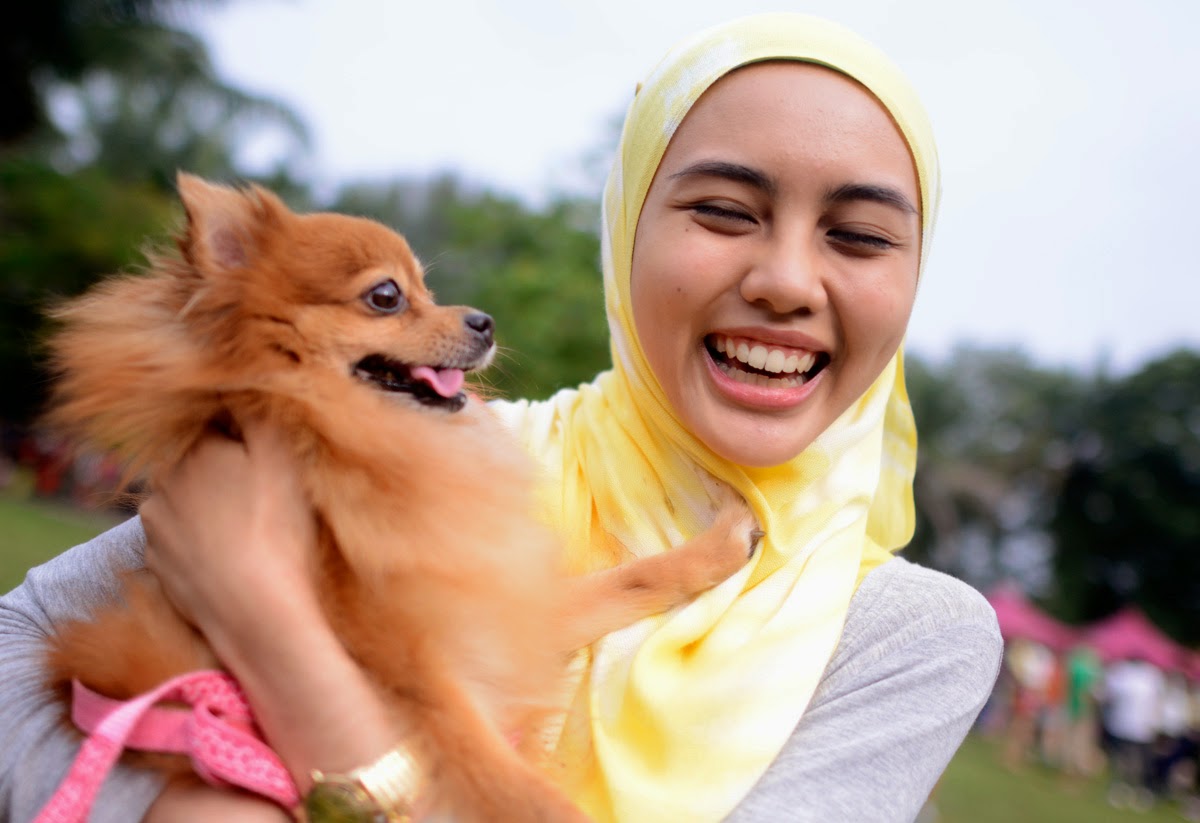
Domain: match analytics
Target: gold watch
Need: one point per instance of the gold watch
(382, 792)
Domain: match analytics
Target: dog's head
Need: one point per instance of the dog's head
(322, 291)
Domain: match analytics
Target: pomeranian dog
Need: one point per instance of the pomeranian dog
(431, 568)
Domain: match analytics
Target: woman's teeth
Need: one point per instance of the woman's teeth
(758, 356)
(759, 379)
(791, 366)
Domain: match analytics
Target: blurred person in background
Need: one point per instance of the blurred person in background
(1031, 666)
(1133, 697)
(1082, 755)
(1175, 746)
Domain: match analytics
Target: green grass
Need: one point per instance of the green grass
(975, 788)
(978, 789)
(32, 532)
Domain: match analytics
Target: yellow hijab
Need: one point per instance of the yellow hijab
(677, 716)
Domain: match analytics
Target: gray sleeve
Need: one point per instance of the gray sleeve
(918, 657)
(36, 747)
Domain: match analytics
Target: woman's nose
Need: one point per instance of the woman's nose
(786, 277)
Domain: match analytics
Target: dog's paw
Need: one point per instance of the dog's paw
(735, 534)
(736, 522)
(756, 536)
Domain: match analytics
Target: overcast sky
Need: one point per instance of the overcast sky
(1069, 133)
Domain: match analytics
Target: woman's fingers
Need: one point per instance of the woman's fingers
(230, 519)
(190, 801)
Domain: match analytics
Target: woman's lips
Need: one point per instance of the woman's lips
(758, 374)
(762, 356)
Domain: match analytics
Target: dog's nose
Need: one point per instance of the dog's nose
(482, 324)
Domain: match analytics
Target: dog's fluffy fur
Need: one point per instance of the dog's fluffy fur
(431, 569)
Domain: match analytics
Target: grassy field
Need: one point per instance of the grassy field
(32, 532)
(975, 788)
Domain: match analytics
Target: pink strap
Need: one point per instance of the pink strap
(218, 733)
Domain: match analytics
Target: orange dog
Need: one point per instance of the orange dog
(432, 571)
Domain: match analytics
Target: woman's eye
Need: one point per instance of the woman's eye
(385, 297)
(866, 242)
(722, 213)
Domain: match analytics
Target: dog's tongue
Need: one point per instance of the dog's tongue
(446, 382)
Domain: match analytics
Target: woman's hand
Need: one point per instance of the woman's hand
(187, 802)
(232, 538)
(230, 532)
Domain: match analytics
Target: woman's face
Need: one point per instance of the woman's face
(775, 260)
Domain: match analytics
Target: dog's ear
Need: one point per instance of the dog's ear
(224, 225)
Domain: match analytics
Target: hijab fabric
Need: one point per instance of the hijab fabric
(677, 716)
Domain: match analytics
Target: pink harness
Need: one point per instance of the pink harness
(217, 732)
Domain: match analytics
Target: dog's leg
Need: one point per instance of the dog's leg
(599, 603)
(475, 774)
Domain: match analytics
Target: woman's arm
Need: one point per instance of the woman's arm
(230, 537)
(36, 747)
(918, 658)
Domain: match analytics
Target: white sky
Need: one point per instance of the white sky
(1069, 133)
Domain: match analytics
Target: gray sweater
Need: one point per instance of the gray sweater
(917, 658)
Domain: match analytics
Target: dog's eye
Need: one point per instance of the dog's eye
(385, 297)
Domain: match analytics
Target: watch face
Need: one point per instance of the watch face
(337, 802)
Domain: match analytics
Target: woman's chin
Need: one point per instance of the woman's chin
(765, 451)
(752, 438)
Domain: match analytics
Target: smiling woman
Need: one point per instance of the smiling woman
(780, 226)
(765, 225)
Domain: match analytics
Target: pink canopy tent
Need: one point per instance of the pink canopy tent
(1019, 618)
(1128, 633)
(1192, 664)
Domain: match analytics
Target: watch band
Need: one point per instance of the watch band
(380, 792)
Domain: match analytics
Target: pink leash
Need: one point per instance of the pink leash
(217, 732)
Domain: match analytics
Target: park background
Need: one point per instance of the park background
(1055, 354)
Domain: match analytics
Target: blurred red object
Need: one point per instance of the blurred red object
(1129, 634)
(1021, 619)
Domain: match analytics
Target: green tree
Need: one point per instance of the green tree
(164, 112)
(1127, 523)
(58, 232)
(996, 432)
(107, 99)
(61, 40)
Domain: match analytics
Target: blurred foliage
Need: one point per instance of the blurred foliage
(58, 233)
(996, 432)
(105, 100)
(63, 40)
(1082, 488)
(166, 112)
(1126, 522)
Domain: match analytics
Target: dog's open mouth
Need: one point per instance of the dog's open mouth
(439, 386)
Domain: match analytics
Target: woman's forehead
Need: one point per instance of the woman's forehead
(830, 100)
(778, 110)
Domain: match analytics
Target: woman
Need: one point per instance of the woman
(765, 225)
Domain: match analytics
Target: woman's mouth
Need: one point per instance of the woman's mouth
(755, 363)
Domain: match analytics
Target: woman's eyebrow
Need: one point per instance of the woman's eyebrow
(729, 171)
(885, 195)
